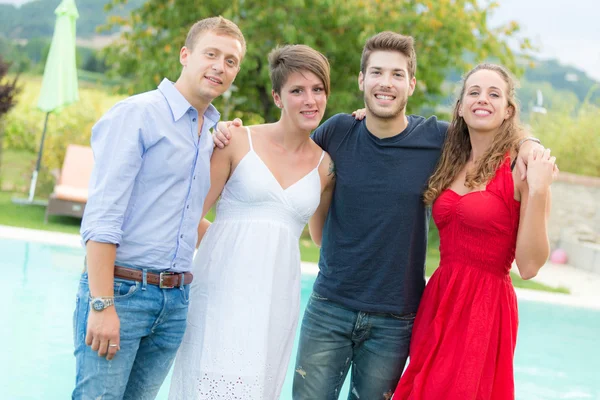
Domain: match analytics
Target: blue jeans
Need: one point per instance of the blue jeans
(152, 324)
(334, 338)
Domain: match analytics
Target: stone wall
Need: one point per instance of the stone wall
(575, 219)
(575, 206)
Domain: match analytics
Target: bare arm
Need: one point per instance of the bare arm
(532, 239)
(103, 327)
(317, 221)
(100, 258)
(202, 228)
(220, 169)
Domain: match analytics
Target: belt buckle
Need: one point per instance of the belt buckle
(161, 283)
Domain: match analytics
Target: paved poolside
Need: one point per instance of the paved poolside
(584, 285)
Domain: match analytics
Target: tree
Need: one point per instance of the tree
(36, 18)
(8, 92)
(448, 33)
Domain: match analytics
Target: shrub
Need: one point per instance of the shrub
(8, 93)
(573, 138)
(72, 125)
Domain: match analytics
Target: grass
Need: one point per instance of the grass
(572, 136)
(308, 250)
(16, 169)
(523, 284)
(32, 217)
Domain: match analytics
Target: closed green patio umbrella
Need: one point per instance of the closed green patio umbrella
(59, 85)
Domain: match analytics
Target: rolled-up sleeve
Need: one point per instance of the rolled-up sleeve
(118, 146)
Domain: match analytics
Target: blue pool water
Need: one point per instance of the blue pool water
(558, 351)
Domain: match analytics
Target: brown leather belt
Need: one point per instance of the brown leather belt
(164, 280)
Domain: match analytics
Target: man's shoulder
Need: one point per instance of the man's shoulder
(431, 123)
(338, 124)
(136, 110)
(145, 100)
(341, 120)
(430, 129)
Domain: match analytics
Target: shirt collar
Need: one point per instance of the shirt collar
(179, 105)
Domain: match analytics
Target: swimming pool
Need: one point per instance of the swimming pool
(558, 351)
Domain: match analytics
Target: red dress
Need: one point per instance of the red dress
(465, 332)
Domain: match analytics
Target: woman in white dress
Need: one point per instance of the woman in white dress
(245, 298)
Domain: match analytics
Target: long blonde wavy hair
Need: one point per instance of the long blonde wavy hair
(457, 147)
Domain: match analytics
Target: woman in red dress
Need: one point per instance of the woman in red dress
(465, 332)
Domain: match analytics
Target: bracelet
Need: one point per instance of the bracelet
(533, 139)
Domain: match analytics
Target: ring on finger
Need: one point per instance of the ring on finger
(113, 345)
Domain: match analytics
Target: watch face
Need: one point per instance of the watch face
(98, 305)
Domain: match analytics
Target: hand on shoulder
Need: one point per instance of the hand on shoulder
(238, 142)
(223, 132)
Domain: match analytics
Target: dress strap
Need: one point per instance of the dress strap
(321, 159)
(249, 138)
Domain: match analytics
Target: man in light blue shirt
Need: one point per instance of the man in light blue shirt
(152, 157)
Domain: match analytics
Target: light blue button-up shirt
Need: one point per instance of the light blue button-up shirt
(150, 179)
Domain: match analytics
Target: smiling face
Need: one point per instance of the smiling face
(302, 100)
(211, 66)
(484, 104)
(386, 84)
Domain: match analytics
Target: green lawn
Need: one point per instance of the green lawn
(16, 169)
(33, 217)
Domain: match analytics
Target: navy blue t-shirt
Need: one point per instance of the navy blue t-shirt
(375, 235)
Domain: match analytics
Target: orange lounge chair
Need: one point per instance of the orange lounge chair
(71, 192)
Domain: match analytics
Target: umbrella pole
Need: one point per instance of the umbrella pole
(38, 162)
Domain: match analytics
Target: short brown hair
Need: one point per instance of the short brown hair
(285, 60)
(390, 41)
(218, 25)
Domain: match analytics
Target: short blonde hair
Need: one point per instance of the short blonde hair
(218, 25)
(285, 60)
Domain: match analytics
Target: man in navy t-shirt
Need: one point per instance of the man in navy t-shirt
(374, 237)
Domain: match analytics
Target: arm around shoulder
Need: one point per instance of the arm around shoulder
(221, 164)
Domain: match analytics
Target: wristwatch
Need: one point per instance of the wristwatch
(100, 303)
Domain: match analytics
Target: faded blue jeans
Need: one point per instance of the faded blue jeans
(334, 339)
(152, 322)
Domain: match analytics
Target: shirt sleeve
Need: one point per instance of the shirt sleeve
(322, 135)
(118, 146)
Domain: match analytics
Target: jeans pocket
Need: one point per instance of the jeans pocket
(75, 315)
(316, 296)
(124, 288)
(404, 317)
(80, 314)
(185, 294)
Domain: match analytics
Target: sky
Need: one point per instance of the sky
(567, 30)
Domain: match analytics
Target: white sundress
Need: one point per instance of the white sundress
(245, 297)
